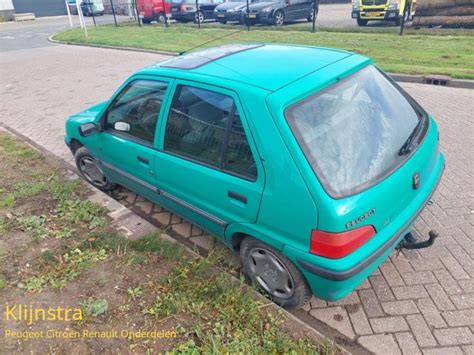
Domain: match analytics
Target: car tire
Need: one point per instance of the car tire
(361, 22)
(223, 22)
(146, 22)
(161, 17)
(199, 17)
(292, 293)
(89, 169)
(311, 14)
(279, 18)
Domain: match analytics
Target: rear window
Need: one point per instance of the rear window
(351, 133)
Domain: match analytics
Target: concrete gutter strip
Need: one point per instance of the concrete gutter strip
(440, 80)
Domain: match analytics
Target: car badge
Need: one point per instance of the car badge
(416, 181)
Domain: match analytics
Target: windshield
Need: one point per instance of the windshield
(351, 133)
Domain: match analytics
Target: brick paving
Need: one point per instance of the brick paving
(416, 302)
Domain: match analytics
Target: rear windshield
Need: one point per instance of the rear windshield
(351, 133)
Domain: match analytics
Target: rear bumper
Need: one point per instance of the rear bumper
(386, 15)
(333, 284)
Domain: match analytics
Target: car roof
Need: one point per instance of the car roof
(268, 66)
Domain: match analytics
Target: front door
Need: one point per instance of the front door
(208, 169)
(127, 152)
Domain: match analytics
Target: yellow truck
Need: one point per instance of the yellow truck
(382, 10)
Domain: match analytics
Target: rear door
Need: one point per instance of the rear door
(207, 166)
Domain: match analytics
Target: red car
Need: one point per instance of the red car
(153, 10)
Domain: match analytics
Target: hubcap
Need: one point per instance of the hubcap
(92, 172)
(279, 18)
(270, 273)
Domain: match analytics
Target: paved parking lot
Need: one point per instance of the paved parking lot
(418, 301)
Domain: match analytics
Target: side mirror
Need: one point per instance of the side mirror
(88, 129)
(122, 126)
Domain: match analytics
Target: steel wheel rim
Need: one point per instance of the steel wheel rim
(270, 273)
(279, 18)
(92, 172)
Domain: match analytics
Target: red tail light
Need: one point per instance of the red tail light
(183, 8)
(338, 245)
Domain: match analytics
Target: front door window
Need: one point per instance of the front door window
(135, 110)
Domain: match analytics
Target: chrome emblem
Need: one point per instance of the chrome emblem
(416, 181)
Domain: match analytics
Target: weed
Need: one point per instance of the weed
(3, 227)
(152, 243)
(36, 283)
(77, 210)
(33, 224)
(7, 201)
(135, 292)
(94, 307)
(3, 283)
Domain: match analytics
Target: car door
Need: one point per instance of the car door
(127, 140)
(207, 165)
(298, 9)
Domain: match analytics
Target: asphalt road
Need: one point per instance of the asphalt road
(34, 34)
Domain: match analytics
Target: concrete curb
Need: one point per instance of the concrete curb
(132, 226)
(439, 80)
(130, 49)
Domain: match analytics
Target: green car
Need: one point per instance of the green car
(310, 163)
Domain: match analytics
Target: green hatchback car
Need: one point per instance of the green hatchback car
(310, 163)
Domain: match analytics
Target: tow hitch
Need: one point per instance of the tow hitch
(410, 241)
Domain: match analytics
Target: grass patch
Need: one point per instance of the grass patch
(231, 319)
(451, 55)
(140, 284)
(14, 148)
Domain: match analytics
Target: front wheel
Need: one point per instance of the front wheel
(199, 17)
(90, 170)
(274, 273)
(312, 15)
(361, 22)
(279, 18)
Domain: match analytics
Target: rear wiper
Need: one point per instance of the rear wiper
(407, 147)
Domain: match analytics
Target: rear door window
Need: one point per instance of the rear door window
(351, 133)
(205, 126)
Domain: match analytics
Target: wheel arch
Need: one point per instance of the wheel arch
(75, 145)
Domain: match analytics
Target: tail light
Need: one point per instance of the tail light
(183, 8)
(338, 245)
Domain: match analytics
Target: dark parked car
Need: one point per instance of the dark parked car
(230, 11)
(279, 12)
(92, 7)
(185, 10)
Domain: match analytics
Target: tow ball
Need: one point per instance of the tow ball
(410, 241)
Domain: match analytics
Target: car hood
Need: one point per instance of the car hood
(231, 5)
(262, 5)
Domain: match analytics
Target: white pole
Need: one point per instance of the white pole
(79, 13)
(68, 13)
(81, 17)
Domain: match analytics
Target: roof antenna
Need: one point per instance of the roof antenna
(210, 41)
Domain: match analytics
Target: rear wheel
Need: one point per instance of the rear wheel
(90, 170)
(279, 18)
(361, 22)
(274, 273)
(146, 21)
(161, 17)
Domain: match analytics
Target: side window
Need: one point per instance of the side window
(204, 125)
(239, 158)
(197, 123)
(138, 107)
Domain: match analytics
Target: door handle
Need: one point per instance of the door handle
(143, 160)
(237, 196)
